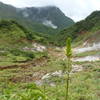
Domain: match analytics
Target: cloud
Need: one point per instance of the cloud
(76, 9)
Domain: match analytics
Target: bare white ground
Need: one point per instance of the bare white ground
(87, 58)
(95, 46)
(36, 47)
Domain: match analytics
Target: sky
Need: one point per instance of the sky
(75, 9)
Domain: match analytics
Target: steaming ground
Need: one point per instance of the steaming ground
(87, 58)
(94, 47)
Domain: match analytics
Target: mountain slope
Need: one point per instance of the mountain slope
(50, 16)
(81, 29)
(41, 19)
(10, 33)
(18, 45)
(13, 34)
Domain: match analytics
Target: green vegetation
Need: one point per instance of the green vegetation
(14, 32)
(28, 74)
(81, 30)
(13, 38)
(83, 85)
(33, 21)
(69, 66)
(28, 92)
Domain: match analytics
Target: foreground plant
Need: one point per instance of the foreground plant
(69, 66)
(29, 92)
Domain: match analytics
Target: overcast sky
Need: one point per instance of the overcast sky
(76, 9)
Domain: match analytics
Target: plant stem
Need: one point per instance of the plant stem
(67, 88)
(67, 81)
(44, 87)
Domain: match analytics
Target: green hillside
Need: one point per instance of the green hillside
(13, 38)
(85, 27)
(10, 33)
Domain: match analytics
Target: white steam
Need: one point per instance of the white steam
(25, 14)
(49, 24)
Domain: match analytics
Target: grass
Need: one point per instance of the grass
(83, 85)
(18, 83)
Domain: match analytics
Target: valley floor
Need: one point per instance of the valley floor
(50, 77)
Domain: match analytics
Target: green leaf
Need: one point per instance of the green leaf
(68, 47)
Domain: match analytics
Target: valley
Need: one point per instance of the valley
(49, 71)
(33, 59)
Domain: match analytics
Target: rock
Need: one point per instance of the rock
(46, 76)
(39, 82)
(57, 73)
(35, 47)
(76, 68)
(52, 84)
(39, 47)
(53, 74)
